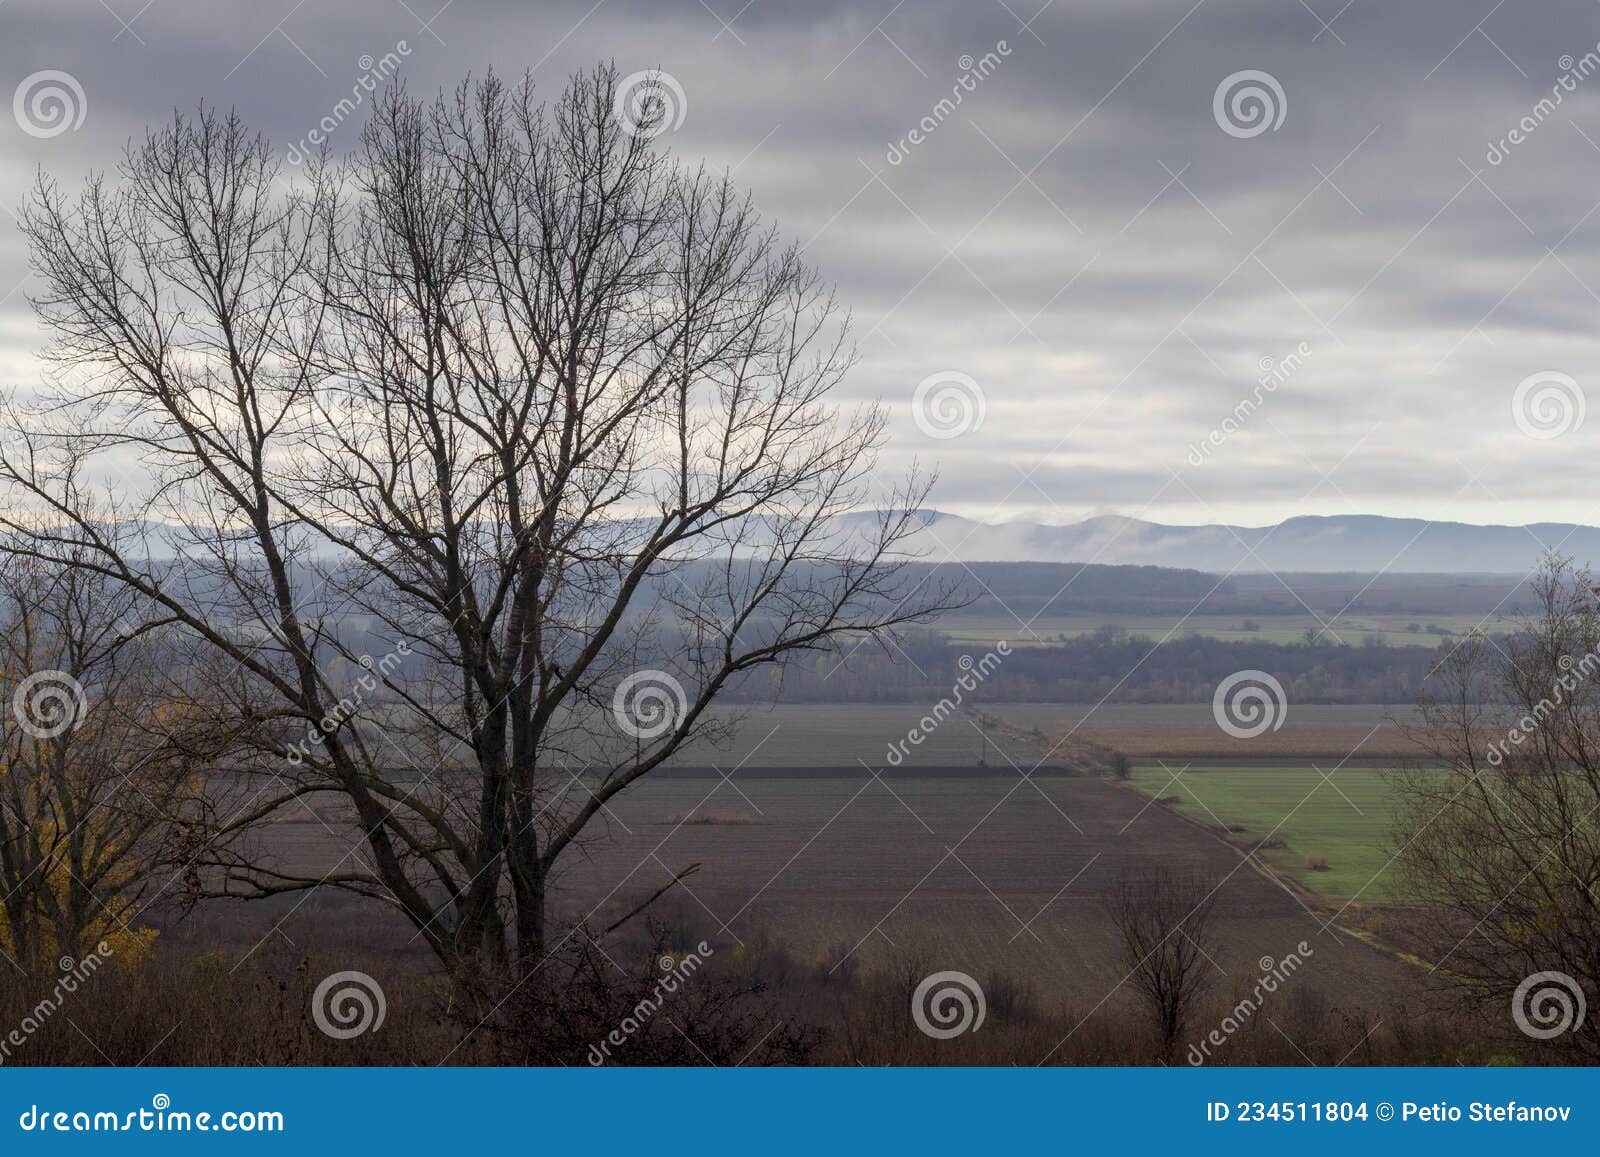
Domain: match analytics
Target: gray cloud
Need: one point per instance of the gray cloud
(1078, 235)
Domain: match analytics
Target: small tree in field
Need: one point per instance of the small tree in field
(476, 466)
(1164, 920)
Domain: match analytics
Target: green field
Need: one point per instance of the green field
(1352, 628)
(1311, 816)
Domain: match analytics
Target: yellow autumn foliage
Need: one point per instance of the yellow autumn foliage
(127, 946)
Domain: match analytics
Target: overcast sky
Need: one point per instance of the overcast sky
(1088, 241)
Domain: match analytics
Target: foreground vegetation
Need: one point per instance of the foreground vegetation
(751, 1005)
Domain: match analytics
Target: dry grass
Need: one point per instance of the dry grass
(759, 1002)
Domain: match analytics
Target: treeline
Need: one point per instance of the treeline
(1108, 664)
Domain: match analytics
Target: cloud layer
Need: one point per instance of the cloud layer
(1046, 206)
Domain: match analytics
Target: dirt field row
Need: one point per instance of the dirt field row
(980, 874)
(847, 735)
(1183, 731)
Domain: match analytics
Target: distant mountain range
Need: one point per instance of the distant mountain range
(1352, 543)
(1359, 542)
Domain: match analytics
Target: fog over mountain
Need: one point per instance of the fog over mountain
(1342, 544)
(1347, 543)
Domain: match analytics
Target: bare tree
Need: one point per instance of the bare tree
(480, 463)
(96, 784)
(1497, 836)
(1164, 921)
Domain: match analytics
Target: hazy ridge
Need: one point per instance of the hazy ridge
(1333, 544)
